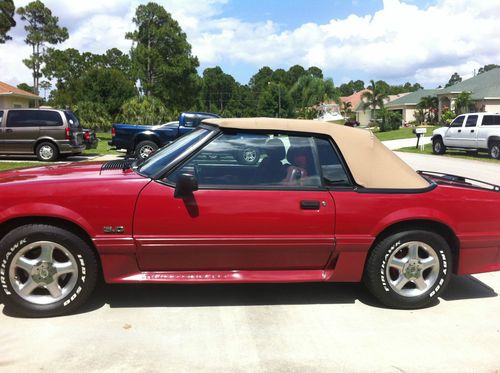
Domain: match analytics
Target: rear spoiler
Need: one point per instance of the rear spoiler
(462, 181)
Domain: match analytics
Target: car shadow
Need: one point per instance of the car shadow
(220, 295)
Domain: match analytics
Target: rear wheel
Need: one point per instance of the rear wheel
(46, 271)
(145, 148)
(409, 269)
(495, 150)
(438, 146)
(47, 152)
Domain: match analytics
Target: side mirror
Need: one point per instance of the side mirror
(185, 186)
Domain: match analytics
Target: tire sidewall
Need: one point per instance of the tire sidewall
(497, 145)
(381, 255)
(441, 148)
(13, 243)
(143, 144)
(54, 149)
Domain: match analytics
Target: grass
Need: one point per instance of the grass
(102, 147)
(451, 153)
(402, 133)
(11, 165)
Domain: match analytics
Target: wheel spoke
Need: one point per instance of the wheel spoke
(397, 263)
(413, 251)
(400, 282)
(64, 268)
(47, 252)
(28, 287)
(420, 283)
(54, 289)
(428, 263)
(25, 264)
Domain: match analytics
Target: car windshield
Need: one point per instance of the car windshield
(169, 153)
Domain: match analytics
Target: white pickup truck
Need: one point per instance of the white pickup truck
(471, 132)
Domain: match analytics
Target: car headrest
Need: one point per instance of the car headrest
(275, 149)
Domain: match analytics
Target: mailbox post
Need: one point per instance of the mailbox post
(420, 132)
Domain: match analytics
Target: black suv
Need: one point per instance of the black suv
(47, 133)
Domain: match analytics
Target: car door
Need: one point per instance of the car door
(467, 136)
(2, 133)
(453, 132)
(273, 215)
(21, 131)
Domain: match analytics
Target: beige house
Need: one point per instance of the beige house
(484, 89)
(13, 97)
(407, 105)
(364, 114)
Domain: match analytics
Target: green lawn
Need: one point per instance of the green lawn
(451, 153)
(10, 165)
(102, 147)
(402, 133)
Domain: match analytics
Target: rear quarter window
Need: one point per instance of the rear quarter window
(491, 120)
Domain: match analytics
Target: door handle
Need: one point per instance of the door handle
(459, 130)
(8, 130)
(309, 205)
(471, 131)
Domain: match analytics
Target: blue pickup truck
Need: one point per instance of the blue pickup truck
(142, 140)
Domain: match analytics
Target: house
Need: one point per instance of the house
(484, 89)
(407, 105)
(13, 97)
(364, 114)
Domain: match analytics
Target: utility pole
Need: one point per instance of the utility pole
(279, 100)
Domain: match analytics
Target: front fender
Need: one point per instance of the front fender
(45, 210)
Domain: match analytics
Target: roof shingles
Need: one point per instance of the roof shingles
(7, 89)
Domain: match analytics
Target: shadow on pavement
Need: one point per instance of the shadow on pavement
(148, 295)
(209, 295)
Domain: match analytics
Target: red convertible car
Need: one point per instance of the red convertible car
(323, 203)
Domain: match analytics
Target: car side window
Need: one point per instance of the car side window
(33, 118)
(471, 121)
(245, 160)
(1, 117)
(491, 120)
(332, 169)
(458, 122)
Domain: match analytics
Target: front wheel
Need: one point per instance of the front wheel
(409, 269)
(45, 271)
(438, 146)
(495, 150)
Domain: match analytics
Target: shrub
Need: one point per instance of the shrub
(93, 115)
(447, 116)
(144, 110)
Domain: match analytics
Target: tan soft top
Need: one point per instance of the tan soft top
(372, 165)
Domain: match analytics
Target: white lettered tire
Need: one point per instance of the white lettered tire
(45, 271)
(409, 269)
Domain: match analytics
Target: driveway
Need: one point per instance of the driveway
(267, 328)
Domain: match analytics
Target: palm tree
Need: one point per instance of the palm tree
(346, 108)
(429, 105)
(462, 103)
(374, 98)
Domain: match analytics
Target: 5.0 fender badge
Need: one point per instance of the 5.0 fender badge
(117, 229)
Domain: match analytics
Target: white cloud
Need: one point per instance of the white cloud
(399, 42)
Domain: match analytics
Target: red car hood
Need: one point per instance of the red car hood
(65, 172)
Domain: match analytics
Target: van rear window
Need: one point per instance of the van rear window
(72, 119)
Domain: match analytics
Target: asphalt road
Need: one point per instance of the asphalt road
(267, 328)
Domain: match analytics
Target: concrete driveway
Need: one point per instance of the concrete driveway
(266, 328)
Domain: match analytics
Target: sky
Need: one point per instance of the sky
(423, 41)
